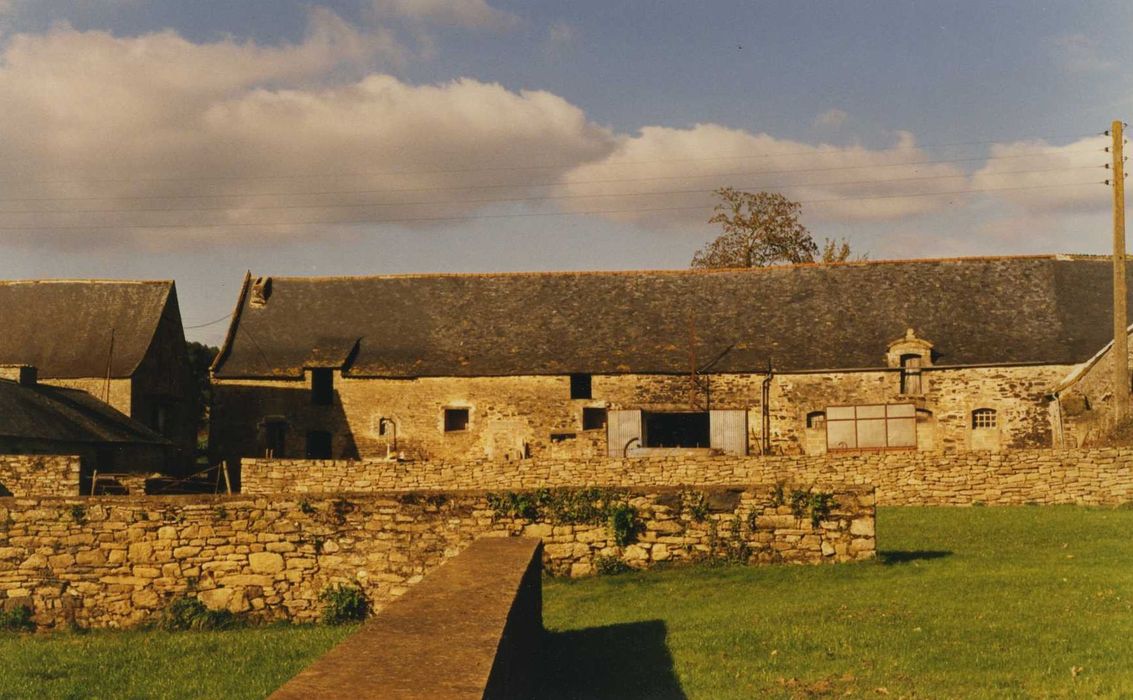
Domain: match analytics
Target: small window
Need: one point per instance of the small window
(911, 375)
(456, 419)
(318, 444)
(580, 386)
(275, 439)
(816, 419)
(562, 437)
(593, 418)
(983, 418)
(322, 386)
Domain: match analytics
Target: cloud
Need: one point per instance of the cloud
(1038, 177)
(159, 133)
(673, 173)
(476, 14)
(830, 119)
(1078, 53)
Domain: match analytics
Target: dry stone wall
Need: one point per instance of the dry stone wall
(39, 475)
(1082, 476)
(118, 561)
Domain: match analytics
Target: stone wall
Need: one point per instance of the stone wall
(1086, 405)
(1083, 476)
(516, 416)
(39, 475)
(118, 561)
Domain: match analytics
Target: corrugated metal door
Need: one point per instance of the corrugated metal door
(621, 427)
(728, 431)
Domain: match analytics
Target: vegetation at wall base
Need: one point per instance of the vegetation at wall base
(17, 619)
(188, 613)
(343, 604)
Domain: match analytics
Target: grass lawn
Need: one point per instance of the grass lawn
(973, 602)
(241, 663)
(992, 602)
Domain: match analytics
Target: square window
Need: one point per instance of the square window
(593, 418)
(456, 419)
(580, 386)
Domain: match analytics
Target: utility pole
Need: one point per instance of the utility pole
(1120, 323)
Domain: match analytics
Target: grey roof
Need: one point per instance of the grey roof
(66, 415)
(977, 311)
(64, 327)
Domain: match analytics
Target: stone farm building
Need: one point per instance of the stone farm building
(37, 419)
(949, 355)
(119, 341)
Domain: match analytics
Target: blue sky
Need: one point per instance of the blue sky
(196, 140)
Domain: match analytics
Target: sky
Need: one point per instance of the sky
(163, 139)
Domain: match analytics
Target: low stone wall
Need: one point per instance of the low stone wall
(472, 629)
(1081, 476)
(39, 475)
(116, 561)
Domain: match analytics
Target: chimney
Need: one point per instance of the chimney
(261, 290)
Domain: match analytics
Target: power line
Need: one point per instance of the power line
(225, 317)
(813, 151)
(636, 210)
(514, 185)
(490, 200)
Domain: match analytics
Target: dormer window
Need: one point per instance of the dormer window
(911, 384)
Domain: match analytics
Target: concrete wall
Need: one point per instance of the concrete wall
(39, 475)
(512, 416)
(1084, 476)
(118, 561)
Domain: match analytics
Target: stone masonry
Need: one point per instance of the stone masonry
(1082, 476)
(39, 475)
(117, 561)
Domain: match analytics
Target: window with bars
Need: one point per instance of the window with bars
(983, 418)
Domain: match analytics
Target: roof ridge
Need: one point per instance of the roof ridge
(690, 271)
(66, 280)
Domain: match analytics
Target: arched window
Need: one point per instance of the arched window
(816, 419)
(983, 418)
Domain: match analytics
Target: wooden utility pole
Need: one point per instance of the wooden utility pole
(1120, 323)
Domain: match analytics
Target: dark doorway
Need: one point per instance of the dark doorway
(318, 444)
(675, 429)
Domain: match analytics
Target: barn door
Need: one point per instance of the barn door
(621, 427)
(728, 431)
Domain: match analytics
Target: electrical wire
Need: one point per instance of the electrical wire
(490, 200)
(512, 185)
(814, 151)
(354, 222)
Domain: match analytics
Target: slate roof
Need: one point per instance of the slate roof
(67, 415)
(976, 311)
(63, 327)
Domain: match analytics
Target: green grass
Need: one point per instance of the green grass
(976, 602)
(240, 663)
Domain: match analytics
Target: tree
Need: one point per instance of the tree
(760, 229)
(200, 357)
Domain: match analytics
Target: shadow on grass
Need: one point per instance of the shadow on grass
(628, 660)
(905, 556)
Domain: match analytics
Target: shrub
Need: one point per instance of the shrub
(624, 523)
(611, 566)
(189, 613)
(342, 604)
(18, 619)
